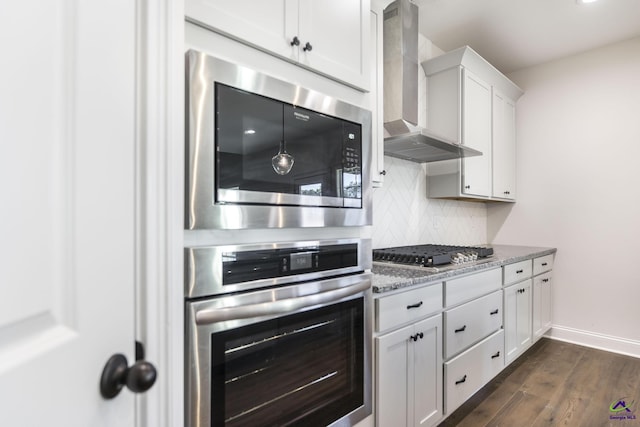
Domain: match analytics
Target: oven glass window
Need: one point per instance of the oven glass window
(304, 369)
(267, 146)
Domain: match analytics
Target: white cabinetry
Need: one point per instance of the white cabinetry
(476, 133)
(409, 377)
(409, 359)
(517, 309)
(471, 370)
(542, 281)
(472, 103)
(469, 323)
(473, 336)
(376, 94)
(330, 37)
(504, 147)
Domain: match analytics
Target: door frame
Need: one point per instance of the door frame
(159, 208)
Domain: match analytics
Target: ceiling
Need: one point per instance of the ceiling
(515, 34)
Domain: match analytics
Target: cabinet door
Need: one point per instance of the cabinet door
(392, 374)
(377, 129)
(476, 133)
(541, 304)
(517, 318)
(269, 25)
(338, 33)
(504, 147)
(427, 372)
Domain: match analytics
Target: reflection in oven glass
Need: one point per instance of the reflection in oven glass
(302, 369)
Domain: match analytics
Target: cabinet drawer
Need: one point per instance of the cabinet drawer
(542, 264)
(467, 373)
(457, 291)
(405, 307)
(470, 322)
(517, 271)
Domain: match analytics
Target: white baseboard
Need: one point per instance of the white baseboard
(595, 340)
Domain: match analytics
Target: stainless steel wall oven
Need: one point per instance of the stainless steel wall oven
(265, 153)
(278, 334)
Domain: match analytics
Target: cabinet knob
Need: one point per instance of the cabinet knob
(496, 311)
(295, 41)
(460, 329)
(461, 380)
(383, 172)
(519, 271)
(307, 47)
(467, 187)
(495, 355)
(416, 305)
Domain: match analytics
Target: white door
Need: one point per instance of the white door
(66, 209)
(427, 373)
(270, 25)
(393, 372)
(476, 133)
(337, 33)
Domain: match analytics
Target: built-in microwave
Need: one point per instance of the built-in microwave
(266, 153)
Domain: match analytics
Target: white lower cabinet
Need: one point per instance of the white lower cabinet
(468, 372)
(437, 345)
(517, 319)
(470, 322)
(409, 375)
(541, 305)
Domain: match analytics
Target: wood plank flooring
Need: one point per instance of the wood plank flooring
(557, 384)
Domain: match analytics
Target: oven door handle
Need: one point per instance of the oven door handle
(288, 305)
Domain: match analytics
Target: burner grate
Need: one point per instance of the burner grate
(431, 255)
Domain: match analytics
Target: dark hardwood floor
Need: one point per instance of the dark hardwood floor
(557, 384)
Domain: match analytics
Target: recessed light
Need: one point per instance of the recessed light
(585, 1)
(249, 132)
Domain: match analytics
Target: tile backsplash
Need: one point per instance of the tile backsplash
(403, 215)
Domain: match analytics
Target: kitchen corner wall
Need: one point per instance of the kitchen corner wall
(402, 213)
(578, 153)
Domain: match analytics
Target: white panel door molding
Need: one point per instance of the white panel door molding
(67, 164)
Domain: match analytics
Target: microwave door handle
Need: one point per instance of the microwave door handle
(206, 317)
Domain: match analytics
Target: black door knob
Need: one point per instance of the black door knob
(138, 378)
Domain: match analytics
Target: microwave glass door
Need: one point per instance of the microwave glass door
(272, 152)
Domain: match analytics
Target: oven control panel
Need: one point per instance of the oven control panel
(225, 269)
(247, 266)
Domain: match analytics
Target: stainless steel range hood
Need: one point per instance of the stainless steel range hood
(403, 138)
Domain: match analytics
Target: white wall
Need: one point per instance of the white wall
(578, 155)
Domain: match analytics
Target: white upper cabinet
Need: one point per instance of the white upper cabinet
(476, 133)
(504, 147)
(330, 37)
(472, 103)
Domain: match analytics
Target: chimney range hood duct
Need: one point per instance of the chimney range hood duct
(403, 138)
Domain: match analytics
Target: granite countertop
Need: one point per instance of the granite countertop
(388, 277)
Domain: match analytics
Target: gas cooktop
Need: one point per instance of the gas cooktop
(431, 255)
